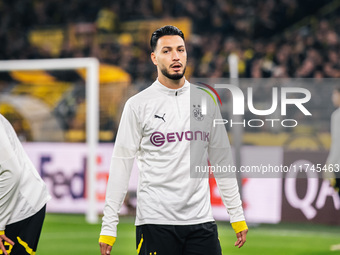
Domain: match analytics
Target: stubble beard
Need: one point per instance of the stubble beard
(175, 76)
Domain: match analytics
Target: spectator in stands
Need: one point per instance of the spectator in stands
(260, 32)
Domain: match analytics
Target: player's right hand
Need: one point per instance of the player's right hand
(4, 238)
(105, 249)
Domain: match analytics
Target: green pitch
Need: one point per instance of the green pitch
(70, 234)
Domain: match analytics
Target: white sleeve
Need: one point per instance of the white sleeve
(220, 154)
(334, 154)
(10, 171)
(124, 152)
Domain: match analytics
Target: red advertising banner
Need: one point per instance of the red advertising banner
(265, 200)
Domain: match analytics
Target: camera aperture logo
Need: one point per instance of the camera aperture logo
(288, 96)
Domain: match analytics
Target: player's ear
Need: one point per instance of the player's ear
(153, 58)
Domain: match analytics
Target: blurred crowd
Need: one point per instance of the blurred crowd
(261, 33)
(272, 38)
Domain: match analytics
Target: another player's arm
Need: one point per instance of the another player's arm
(333, 158)
(10, 171)
(126, 146)
(9, 181)
(4, 238)
(8, 188)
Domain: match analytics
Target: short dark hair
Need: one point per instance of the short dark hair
(166, 30)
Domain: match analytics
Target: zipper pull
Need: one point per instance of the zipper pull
(176, 93)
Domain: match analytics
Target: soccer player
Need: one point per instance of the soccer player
(23, 196)
(174, 213)
(333, 159)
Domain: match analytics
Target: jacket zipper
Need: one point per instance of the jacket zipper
(178, 109)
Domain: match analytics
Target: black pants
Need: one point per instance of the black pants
(337, 185)
(199, 239)
(25, 234)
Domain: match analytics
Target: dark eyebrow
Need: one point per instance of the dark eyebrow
(169, 47)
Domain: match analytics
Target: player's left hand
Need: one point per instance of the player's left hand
(105, 249)
(6, 239)
(241, 238)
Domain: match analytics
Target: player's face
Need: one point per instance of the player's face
(170, 56)
(336, 98)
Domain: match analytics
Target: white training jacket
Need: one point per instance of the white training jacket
(334, 153)
(22, 191)
(165, 131)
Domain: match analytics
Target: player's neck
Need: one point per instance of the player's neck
(171, 84)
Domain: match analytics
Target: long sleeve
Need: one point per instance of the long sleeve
(334, 154)
(9, 175)
(124, 152)
(220, 154)
(22, 191)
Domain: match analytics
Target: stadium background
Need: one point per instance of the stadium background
(272, 39)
